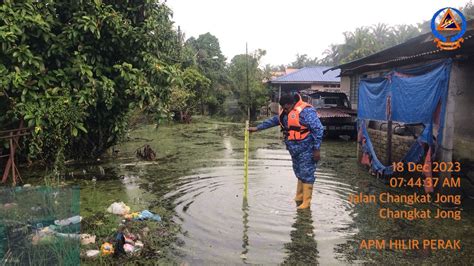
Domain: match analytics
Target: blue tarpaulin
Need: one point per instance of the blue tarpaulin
(412, 96)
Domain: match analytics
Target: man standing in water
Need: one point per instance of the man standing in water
(303, 133)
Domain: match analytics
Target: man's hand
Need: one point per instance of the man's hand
(253, 129)
(316, 155)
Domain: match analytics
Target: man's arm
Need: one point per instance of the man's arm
(270, 122)
(310, 119)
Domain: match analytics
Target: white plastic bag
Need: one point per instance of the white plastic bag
(92, 253)
(71, 220)
(87, 239)
(118, 208)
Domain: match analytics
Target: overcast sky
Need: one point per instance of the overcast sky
(285, 28)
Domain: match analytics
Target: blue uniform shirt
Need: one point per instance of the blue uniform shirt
(301, 151)
(308, 118)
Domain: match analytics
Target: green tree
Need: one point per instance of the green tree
(364, 41)
(257, 93)
(74, 70)
(402, 33)
(184, 93)
(211, 62)
(468, 10)
(304, 61)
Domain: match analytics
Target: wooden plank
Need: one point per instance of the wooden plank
(21, 128)
(18, 135)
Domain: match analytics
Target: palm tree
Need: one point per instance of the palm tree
(401, 33)
(381, 33)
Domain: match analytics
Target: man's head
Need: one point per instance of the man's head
(287, 102)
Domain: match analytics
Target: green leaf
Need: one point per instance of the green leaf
(31, 123)
(81, 127)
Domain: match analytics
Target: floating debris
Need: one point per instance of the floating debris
(146, 153)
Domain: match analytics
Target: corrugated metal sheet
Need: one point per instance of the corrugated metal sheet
(310, 75)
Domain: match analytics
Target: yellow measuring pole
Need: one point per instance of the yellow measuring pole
(246, 159)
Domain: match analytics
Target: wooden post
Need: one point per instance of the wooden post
(12, 156)
(389, 130)
(389, 142)
(13, 137)
(279, 97)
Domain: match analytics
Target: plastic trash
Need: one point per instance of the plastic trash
(132, 215)
(118, 208)
(9, 205)
(71, 220)
(43, 230)
(53, 227)
(131, 236)
(146, 214)
(129, 248)
(139, 244)
(119, 243)
(87, 239)
(42, 236)
(92, 253)
(106, 249)
(129, 240)
(71, 236)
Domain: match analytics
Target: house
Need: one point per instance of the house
(307, 80)
(390, 139)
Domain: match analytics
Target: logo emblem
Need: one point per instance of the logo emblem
(448, 30)
(293, 116)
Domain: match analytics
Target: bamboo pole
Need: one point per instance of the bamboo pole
(246, 134)
(246, 159)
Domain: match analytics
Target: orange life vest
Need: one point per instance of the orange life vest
(294, 130)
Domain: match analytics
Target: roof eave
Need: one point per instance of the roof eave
(303, 82)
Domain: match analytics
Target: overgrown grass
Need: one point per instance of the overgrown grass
(23, 213)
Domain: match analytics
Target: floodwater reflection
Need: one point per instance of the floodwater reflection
(245, 237)
(303, 247)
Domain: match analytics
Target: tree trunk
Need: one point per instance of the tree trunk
(202, 106)
(253, 113)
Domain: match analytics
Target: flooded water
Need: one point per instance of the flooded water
(222, 227)
(199, 175)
